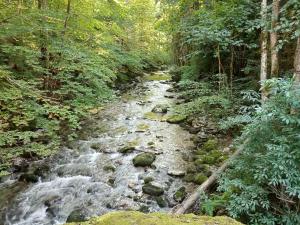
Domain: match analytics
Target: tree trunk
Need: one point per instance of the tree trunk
(274, 39)
(68, 16)
(264, 47)
(297, 63)
(191, 200)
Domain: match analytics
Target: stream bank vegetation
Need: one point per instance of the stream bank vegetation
(237, 64)
(59, 61)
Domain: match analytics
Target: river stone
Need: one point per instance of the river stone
(126, 149)
(176, 173)
(152, 189)
(76, 216)
(160, 108)
(180, 194)
(176, 118)
(144, 159)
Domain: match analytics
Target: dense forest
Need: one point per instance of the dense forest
(230, 82)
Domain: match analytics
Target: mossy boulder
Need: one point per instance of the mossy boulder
(144, 159)
(176, 118)
(148, 179)
(180, 194)
(200, 178)
(108, 168)
(76, 216)
(138, 218)
(126, 149)
(152, 189)
(160, 201)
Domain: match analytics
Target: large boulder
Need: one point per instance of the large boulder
(138, 218)
(152, 189)
(144, 159)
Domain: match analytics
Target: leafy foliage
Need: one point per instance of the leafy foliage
(264, 180)
(56, 64)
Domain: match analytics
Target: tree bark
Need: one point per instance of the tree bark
(264, 47)
(274, 39)
(191, 200)
(297, 63)
(68, 16)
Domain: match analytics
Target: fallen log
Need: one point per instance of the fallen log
(191, 200)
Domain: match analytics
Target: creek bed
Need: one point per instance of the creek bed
(94, 177)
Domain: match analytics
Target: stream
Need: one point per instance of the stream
(93, 181)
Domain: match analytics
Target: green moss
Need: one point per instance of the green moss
(111, 168)
(180, 194)
(159, 76)
(189, 177)
(176, 118)
(153, 190)
(144, 159)
(154, 116)
(148, 179)
(129, 147)
(160, 201)
(210, 145)
(133, 217)
(199, 178)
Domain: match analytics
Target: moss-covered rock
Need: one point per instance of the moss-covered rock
(189, 177)
(111, 168)
(76, 216)
(148, 179)
(160, 201)
(138, 218)
(180, 194)
(126, 149)
(152, 189)
(176, 118)
(199, 178)
(144, 159)
(96, 146)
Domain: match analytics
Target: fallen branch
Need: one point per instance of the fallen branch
(191, 200)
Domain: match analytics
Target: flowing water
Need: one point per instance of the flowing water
(82, 179)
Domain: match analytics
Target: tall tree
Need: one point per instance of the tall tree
(297, 62)
(264, 46)
(274, 39)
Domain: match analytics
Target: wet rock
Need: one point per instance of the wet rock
(96, 146)
(160, 201)
(180, 194)
(160, 108)
(76, 216)
(126, 149)
(144, 209)
(176, 118)
(144, 159)
(148, 179)
(111, 168)
(20, 164)
(152, 189)
(111, 181)
(169, 96)
(29, 177)
(176, 173)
